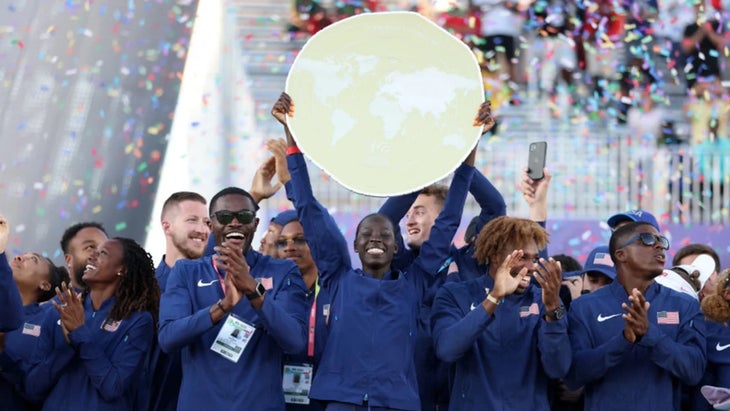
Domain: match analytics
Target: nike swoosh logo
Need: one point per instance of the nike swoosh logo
(202, 284)
(601, 318)
(472, 307)
(719, 347)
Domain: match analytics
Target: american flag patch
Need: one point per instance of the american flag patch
(32, 329)
(527, 311)
(110, 326)
(267, 282)
(667, 317)
(603, 259)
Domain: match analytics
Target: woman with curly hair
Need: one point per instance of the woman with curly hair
(96, 351)
(716, 308)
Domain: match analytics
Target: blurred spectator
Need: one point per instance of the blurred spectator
(308, 17)
(702, 44)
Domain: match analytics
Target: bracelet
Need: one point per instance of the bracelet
(220, 306)
(494, 300)
(293, 150)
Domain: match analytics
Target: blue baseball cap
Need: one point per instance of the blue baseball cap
(633, 215)
(599, 261)
(285, 217)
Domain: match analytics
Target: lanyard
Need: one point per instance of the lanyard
(312, 319)
(223, 283)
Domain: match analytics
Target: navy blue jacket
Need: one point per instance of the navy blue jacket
(504, 361)
(101, 366)
(209, 380)
(11, 315)
(433, 378)
(368, 358)
(20, 346)
(166, 368)
(647, 375)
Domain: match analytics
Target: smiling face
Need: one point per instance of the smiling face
(80, 248)
(187, 226)
(420, 219)
(375, 243)
(291, 245)
(235, 232)
(31, 272)
(105, 264)
(529, 258)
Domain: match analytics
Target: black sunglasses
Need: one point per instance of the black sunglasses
(649, 240)
(299, 242)
(225, 217)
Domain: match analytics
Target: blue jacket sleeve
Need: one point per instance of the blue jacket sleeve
(453, 333)
(554, 345)
(590, 364)
(52, 355)
(686, 357)
(395, 208)
(437, 248)
(112, 375)
(326, 242)
(11, 315)
(490, 200)
(285, 316)
(179, 325)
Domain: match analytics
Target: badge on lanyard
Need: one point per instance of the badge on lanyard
(296, 383)
(233, 338)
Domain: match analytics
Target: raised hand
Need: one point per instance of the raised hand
(70, 308)
(262, 186)
(535, 194)
(636, 318)
(549, 275)
(484, 116)
(277, 147)
(284, 106)
(504, 282)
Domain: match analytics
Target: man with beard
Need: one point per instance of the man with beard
(185, 223)
(78, 243)
(505, 336)
(208, 299)
(635, 341)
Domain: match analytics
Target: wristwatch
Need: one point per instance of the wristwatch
(557, 313)
(259, 291)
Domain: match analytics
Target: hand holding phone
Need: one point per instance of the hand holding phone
(536, 160)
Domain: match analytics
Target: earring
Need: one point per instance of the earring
(119, 274)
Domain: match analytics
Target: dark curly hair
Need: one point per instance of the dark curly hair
(138, 289)
(714, 306)
(503, 232)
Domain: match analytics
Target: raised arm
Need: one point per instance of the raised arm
(11, 315)
(326, 242)
(535, 193)
(395, 208)
(490, 200)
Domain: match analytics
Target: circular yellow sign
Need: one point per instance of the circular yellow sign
(385, 102)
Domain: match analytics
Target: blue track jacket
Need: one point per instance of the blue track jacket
(101, 366)
(166, 368)
(368, 357)
(504, 361)
(618, 375)
(211, 382)
(20, 346)
(11, 315)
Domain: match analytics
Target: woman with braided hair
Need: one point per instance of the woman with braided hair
(93, 352)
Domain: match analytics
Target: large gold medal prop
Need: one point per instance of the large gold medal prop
(385, 102)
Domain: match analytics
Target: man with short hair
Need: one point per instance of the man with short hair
(620, 219)
(233, 315)
(78, 243)
(186, 226)
(687, 255)
(505, 337)
(634, 341)
(598, 270)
